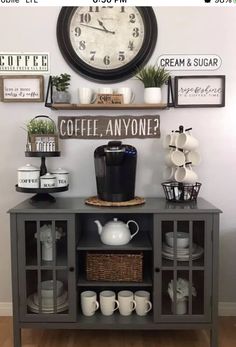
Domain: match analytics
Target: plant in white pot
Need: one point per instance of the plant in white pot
(60, 89)
(153, 78)
(182, 294)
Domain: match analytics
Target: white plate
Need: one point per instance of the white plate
(35, 308)
(180, 251)
(48, 302)
(197, 254)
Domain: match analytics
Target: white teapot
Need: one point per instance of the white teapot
(115, 232)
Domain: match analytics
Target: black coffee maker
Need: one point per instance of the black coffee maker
(115, 167)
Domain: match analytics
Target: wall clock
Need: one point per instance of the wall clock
(105, 43)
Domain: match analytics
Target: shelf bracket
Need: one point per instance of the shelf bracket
(49, 99)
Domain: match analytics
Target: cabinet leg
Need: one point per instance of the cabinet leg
(214, 337)
(17, 336)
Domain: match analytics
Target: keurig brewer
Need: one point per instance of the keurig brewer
(115, 167)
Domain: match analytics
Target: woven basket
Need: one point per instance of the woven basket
(118, 267)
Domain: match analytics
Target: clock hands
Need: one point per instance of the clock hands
(104, 29)
(102, 25)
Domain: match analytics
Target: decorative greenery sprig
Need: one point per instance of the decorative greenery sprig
(39, 126)
(61, 83)
(182, 289)
(152, 76)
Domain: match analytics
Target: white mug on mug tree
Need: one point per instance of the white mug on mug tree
(186, 174)
(175, 158)
(186, 141)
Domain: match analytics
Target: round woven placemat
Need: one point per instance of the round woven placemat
(95, 201)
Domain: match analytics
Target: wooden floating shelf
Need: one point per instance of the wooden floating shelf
(107, 106)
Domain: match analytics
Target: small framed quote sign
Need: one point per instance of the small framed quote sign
(109, 127)
(22, 88)
(200, 91)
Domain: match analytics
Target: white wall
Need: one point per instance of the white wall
(181, 30)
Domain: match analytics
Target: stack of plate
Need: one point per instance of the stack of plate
(182, 254)
(47, 301)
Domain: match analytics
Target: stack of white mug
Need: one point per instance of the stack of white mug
(127, 302)
(181, 156)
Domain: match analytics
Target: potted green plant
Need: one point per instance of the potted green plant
(60, 89)
(153, 78)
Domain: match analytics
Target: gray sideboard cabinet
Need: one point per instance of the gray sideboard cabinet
(67, 227)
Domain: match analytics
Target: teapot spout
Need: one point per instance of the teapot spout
(99, 225)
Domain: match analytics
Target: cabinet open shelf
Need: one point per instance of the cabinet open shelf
(115, 319)
(140, 242)
(107, 106)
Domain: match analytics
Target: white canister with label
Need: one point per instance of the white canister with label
(62, 177)
(48, 181)
(28, 176)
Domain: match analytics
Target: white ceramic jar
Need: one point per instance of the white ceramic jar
(48, 181)
(62, 177)
(28, 176)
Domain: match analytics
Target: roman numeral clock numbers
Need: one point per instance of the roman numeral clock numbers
(106, 43)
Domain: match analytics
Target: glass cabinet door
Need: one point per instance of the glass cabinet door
(183, 268)
(46, 249)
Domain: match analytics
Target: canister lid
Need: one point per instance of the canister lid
(60, 171)
(47, 176)
(28, 167)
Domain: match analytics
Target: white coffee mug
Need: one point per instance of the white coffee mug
(169, 173)
(128, 95)
(170, 140)
(126, 302)
(89, 303)
(193, 157)
(187, 142)
(186, 174)
(143, 303)
(108, 302)
(86, 95)
(175, 158)
(105, 90)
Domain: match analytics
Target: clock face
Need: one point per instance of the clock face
(106, 43)
(106, 38)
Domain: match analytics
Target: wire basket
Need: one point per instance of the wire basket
(181, 192)
(118, 267)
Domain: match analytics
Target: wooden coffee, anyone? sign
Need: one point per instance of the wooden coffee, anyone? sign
(109, 127)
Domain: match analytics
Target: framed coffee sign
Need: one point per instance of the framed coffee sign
(22, 88)
(200, 91)
(16, 62)
(109, 127)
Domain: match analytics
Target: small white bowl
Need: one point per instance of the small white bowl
(182, 239)
(47, 288)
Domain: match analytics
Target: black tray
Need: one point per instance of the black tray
(42, 194)
(42, 154)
